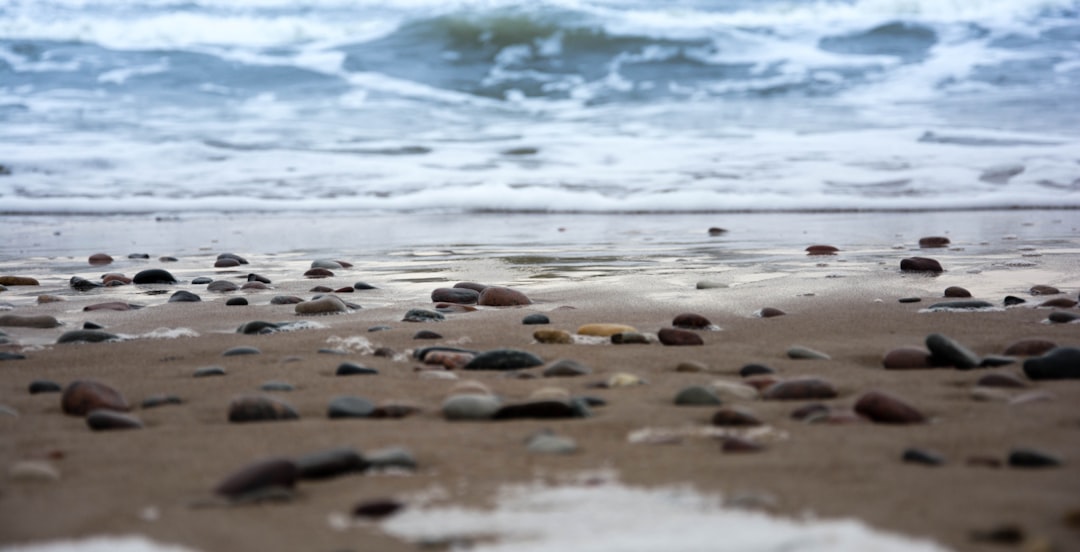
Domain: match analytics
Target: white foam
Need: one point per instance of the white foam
(99, 544)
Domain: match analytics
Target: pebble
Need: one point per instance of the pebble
(761, 382)
(28, 321)
(92, 326)
(1044, 290)
(44, 386)
(449, 359)
(319, 273)
(327, 264)
(755, 370)
(933, 241)
(717, 231)
(241, 350)
(154, 276)
(350, 369)
(256, 408)
(920, 264)
(961, 305)
(257, 476)
(910, 300)
(222, 286)
(948, 352)
(363, 286)
(822, 250)
(105, 420)
(906, 358)
(545, 442)
(691, 366)
(82, 284)
(98, 259)
(704, 284)
(422, 353)
(809, 411)
(1059, 303)
(495, 296)
(735, 416)
(257, 327)
(154, 401)
(236, 302)
(1012, 300)
(956, 291)
(327, 304)
(535, 319)
(1032, 458)
(630, 338)
(18, 281)
(1030, 347)
(739, 444)
(349, 407)
(427, 334)
(604, 330)
(30, 470)
(45, 299)
(624, 379)
(330, 463)
(143, 256)
(253, 277)
(226, 263)
(423, 315)
(735, 390)
(285, 300)
(1001, 379)
(379, 508)
(395, 457)
(82, 396)
(541, 409)
(566, 368)
(394, 410)
(886, 408)
(1062, 317)
(769, 312)
(995, 361)
(504, 359)
(697, 395)
(691, 321)
(1006, 534)
(5, 355)
(470, 407)
(806, 353)
(1058, 363)
(183, 296)
(801, 389)
(676, 337)
(277, 386)
(459, 296)
(922, 456)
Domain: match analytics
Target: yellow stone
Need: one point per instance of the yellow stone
(553, 336)
(604, 330)
(623, 379)
(550, 394)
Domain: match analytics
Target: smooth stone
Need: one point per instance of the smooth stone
(5, 355)
(285, 300)
(711, 285)
(770, 312)
(105, 420)
(380, 328)
(319, 273)
(222, 286)
(154, 276)
(45, 299)
(950, 353)
(40, 321)
(675, 337)
(363, 286)
(391, 458)
(536, 410)
(327, 264)
(906, 358)
(142, 256)
(604, 330)
(735, 416)
(504, 359)
(536, 318)
(691, 366)
(118, 306)
(226, 263)
(630, 338)
(258, 476)
(553, 336)
(910, 299)
(1001, 379)
(330, 463)
(1031, 458)
(253, 277)
(427, 334)
(349, 407)
(438, 374)
(277, 386)
(956, 291)
(800, 389)
(82, 284)
(82, 396)
(496, 296)
(886, 408)
(806, 353)
(697, 395)
(566, 368)
(377, 509)
(208, 372)
(691, 321)
(44, 386)
(257, 327)
(155, 401)
(755, 370)
(922, 456)
(350, 369)
(735, 390)
(1012, 300)
(822, 250)
(624, 379)
(1044, 290)
(327, 304)
(30, 471)
(92, 326)
(422, 353)
(448, 359)
(257, 408)
(183, 296)
(1008, 534)
(547, 443)
(470, 387)
(920, 264)
(974, 304)
(1058, 363)
(248, 286)
(98, 259)
(18, 281)
(1030, 347)
(470, 407)
(1062, 317)
(996, 361)
(550, 393)
(933, 241)
(232, 256)
(1059, 303)
(241, 350)
(740, 445)
(423, 315)
(458, 296)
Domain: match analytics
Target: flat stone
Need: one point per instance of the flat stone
(201, 280)
(83, 396)
(423, 315)
(923, 456)
(543, 409)
(154, 401)
(1031, 458)
(1044, 290)
(28, 321)
(566, 368)
(391, 458)
(33, 471)
(769, 312)
(285, 300)
(933, 242)
(755, 370)
(906, 358)
(327, 304)
(363, 286)
(624, 379)
(1059, 303)
(349, 407)
(257, 476)
(470, 407)
(236, 302)
(705, 284)
(806, 353)
(458, 296)
(806, 388)
(18, 281)
(427, 334)
(973, 304)
(504, 359)
(956, 291)
(1058, 363)
(1001, 379)
(98, 259)
(948, 352)
(735, 390)
(495, 296)
(258, 408)
(1030, 347)
(691, 321)
(920, 264)
(995, 361)
(553, 336)
(226, 263)
(604, 330)
(535, 319)
(241, 351)
(118, 306)
(154, 276)
(330, 463)
(733, 416)
(1062, 317)
(107, 420)
(697, 395)
(184, 296)
(886, 408)
(910, 300)
(208, 371)
(257, 327)
(629, 338)
(44, 386)
(222, 286)
(351, 369)
(822, 250)
(319, 273)
(676, 337)
(548, 443)
(280, 386)
(377, 509)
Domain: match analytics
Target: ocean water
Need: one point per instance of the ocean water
(598, 106)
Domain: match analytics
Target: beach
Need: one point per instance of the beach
(640, 271)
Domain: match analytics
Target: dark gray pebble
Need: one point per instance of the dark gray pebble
(86, 336)
(105, 420)
(5, 355)
(391, 458)
(183, 296)
(331, 463)
(1031, 458)
(44, 386)
(242, 350)
(236, 302)
(1011, 300)
(1063, 317)
(92, 326)
(155, 401)
(82, 284)
(349, 407)
(697, 395)
(258, 278)
(629, 338)
(363, 285)
(350, 369)
(280, 386)
(273, 472)
(947, 352)
(208, 371)
(379, 328)
(923, 456)
(256, 408)
(154, 276)
(910, 300)
(232, 256)
(1058, 363)
(994, 361)
(168, 259)
(956, 291)
(222, 286)
(257, 327)
(755, 370)
(423, 315)
(961, 305)
(377, 509)
(536, 318)
(566, 368)
(920, 264)
(538, 410)
(459, 296)
(138, 255)
(202, 280)
(504, 359)
(427, 334)
(285, 300)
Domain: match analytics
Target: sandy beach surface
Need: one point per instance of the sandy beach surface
(59, 479)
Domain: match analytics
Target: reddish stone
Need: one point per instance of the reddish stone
(887, 408)
(934, 241)
(115, 277)
(259, 285)
(801, 389)
(449, 359)
(318, 273)
(18, 281)
(920, 264)
(346, 289)
(1059, 303)
(447, 307)
(394, 411)
(821, 250)
(906, 358)
(956, 291)
(1030, 347)
(321, 289)
(673, 337)
(734, 416)
(691, 321)
(82, 396)
(761, 383)
(1044, 290)
(495, 296)
(98, 259)
(739, 444)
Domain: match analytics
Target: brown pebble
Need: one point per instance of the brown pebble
(346, 289)
(110, 306)
(956, 291)
(1001, 379)
(17, 281)
(734, 416)
(1030, 347)
(886, 408)
(272, 472)
(906, 358)
(1059, 303)
(321, 289)
(984, 462)
(770, 312)
(495, 296)
(675, 338)
(82, 396)
(920, 264)
(115, 277)
(553, 336)
(1044, 290)
(478, 288)
(449, 359)
(739, 444)
(226, 263)
(691, 321)
(260, 286)
(800, 389)
(98, 259)
(318, 273)
(821, 250)
(44, 299)
(933, 241)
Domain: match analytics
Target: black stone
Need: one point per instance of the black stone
(183, 296)
(139, 256)
(1057, 363)
(350, 369)
(105, 420)
(257, 327)
(427, 334)
(540, 410)
(330, 463)
(257, 278)
(945, 351)
(1011, 300)
(238, 351)
(459, 296)
(910, 300)
(202, 280)
(44, 386)
(1031, 458)
(154, 276)
(535, 319)
(377, 509)
(755, 370)
(349, 407)
(82, 284)
(379, 328)
(504, 359)
(1063, 317)
(232, 256)
(923, 456)
(92, 326)
(236, 302)
(208, 371)
(273, 472)
(4, 355)
(285, 300)
(86, 336)
(363, 285)
(962, 305)
(155, 401)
